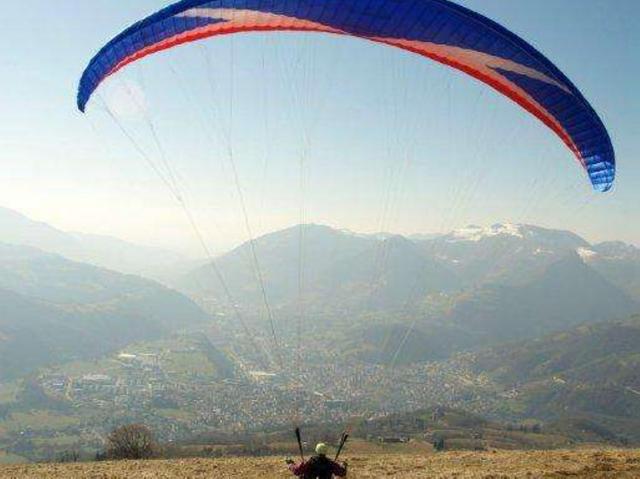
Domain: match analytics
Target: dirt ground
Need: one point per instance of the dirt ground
(590, 463)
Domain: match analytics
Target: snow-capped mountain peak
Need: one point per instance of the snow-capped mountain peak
(478, 233)
(586, 253)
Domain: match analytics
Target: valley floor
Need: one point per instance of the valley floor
(588, 463)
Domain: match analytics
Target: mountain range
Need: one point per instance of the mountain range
(334, 260)
(542, 313)
(104, 251)
(476, 286)
(387, 296)
(586, 375)
(54, 310)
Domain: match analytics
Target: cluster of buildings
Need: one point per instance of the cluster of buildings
(143, 387)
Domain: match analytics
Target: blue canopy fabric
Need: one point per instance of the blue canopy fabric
(436, 29)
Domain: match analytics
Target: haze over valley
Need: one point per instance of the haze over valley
(512, 323)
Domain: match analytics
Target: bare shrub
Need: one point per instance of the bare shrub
(133, 441)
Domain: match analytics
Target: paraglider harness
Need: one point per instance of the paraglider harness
(320, 467)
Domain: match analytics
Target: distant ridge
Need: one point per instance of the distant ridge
(586, 375)
(55, 310)
(104, 251)
(471, 288)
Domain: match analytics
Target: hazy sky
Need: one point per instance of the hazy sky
(321, 129)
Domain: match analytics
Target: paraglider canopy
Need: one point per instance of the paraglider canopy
(436, 29)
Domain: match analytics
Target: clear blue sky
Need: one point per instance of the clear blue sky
(389, 140)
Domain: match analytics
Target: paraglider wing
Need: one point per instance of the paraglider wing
(437, 29)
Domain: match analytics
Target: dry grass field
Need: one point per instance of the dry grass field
(589, 463)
